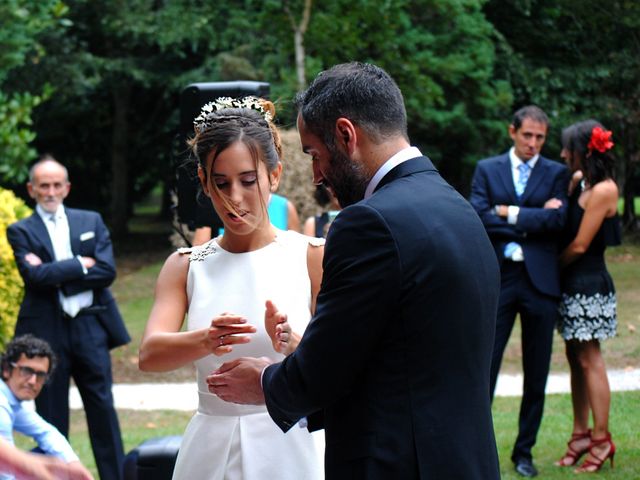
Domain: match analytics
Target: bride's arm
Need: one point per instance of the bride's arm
(164, 347)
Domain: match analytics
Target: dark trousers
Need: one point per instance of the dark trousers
(83, 354)
(538, 317)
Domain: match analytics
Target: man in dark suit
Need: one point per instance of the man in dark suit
(395, 363)
(521, 198)
(66, 260)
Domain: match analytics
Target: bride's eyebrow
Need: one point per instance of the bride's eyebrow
(248, 172)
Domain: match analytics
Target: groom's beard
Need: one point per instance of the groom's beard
(347, 180)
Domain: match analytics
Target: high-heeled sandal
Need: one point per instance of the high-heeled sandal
(573, 454)
(598, 461)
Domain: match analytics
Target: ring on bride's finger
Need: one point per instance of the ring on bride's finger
(221, 338)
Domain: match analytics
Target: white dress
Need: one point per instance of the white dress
(225, 441)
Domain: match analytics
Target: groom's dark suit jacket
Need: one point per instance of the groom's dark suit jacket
(396, 359)
(41, 312)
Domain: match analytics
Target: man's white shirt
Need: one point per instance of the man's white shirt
(58, 227)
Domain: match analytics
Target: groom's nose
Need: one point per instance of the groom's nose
(318, 177)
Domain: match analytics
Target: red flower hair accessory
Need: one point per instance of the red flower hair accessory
(600, 140)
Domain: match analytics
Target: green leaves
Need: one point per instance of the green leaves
(21, 22)
(463, 66)
(16, 134)
(577, 60)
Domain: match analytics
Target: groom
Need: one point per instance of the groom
(395, 363)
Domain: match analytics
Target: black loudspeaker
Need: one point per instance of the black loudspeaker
(153, 459)
(194, 209)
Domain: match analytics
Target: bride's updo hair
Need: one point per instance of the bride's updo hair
(226, 121)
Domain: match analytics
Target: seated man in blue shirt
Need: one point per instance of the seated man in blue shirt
(26, 365)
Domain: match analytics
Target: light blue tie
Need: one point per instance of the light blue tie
(521, 184)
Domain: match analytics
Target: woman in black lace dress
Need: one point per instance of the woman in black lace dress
(588, 305)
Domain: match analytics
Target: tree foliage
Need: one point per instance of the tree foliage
(21, 22)
(578, 60)
(12, 209)
(118, 71)
(120, 66)
(117, 68)
(440, 52)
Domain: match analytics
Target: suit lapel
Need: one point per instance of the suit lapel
(408, 167)
(41, 234)
(74, 230)
(506, 177)
(537, 174)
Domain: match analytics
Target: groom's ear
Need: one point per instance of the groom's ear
(346, 135)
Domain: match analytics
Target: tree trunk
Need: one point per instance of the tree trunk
(298, 40)
(119, 211)
(626, 173)
(167, 202)
(629, 213)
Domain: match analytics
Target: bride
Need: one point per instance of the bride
(223, 287)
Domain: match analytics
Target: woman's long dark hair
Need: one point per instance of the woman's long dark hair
(596, 166)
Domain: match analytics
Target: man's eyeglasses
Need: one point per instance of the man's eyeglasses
(28, 372)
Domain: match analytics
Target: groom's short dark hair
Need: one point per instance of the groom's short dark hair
(363, 93)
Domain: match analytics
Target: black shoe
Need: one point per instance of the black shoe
(524, 467)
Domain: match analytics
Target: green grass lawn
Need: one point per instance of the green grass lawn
(138, 426)
(556, 430)
(636, 205)
(620, 352)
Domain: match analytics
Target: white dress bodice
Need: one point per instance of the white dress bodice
(219, 281)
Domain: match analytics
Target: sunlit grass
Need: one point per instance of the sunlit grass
(636, 205)
(620, 352)
(556, 430)
(138, 426)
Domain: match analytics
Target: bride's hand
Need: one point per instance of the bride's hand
(284, 339)
(226, 330)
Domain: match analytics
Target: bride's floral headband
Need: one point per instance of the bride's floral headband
(600, 140)
(203, 121)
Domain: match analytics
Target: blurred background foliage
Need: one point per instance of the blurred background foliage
(12, 209)
(97, 82)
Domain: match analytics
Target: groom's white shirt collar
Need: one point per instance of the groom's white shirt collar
(402, 156)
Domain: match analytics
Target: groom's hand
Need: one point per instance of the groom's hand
(238, 381)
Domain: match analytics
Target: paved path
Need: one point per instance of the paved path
(183, 396)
